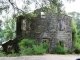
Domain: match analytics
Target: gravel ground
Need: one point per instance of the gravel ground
(43, 57)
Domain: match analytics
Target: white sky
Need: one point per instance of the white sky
(69, 7)
(73, 6)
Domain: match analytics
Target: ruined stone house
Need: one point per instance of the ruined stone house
(48, 28)
(51, 28)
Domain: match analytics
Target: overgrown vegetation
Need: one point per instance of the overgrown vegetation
(2, 54)
(28, 47)
(12, 54)
(60, 50)
(8, 28)
(75, 38)
(38, 49)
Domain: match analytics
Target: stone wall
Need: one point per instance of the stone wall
(48, 29)
(66, 34)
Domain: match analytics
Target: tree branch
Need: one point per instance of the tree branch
(15, 7)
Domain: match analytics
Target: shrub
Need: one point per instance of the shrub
(29, 51)
(26, 51)
(45, 46)
(27, 42)
(74, 31)
(22, 50)
(60, 50)
(38, 49)
(28, 47)
(13, 54)
(75, 38)
(71, 51)
(2, 54)
(77, 47)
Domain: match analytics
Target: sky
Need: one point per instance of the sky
(69, 6)
(72, 6)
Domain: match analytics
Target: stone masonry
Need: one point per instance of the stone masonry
(51, 29)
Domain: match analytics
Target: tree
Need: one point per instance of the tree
(76, 17)
(10, 27)
(0, 29)
(1, 32)
(75, 38)
(0, 25)
(7, 4)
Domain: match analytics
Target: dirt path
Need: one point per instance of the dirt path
(43, 57)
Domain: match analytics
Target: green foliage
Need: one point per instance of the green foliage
(56, 5)
(71, 51)
(2, 34)
(60, 50)
(27, 42)
(9, 28)
(23, 50)
(38, 49)
(74, 31)
(75, 38)
(26, 51)
(0, 23)
(8, 34)
(29, 51)
(76, 17)
(28, 47)
(41, 49)
(2, 54)
(77, 45)
(13, 54)
(46, 46)
(30, 16)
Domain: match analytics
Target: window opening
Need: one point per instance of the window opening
(24, 24)
(43, 15)
(61, 43)
(61, 25)
(45, 41)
